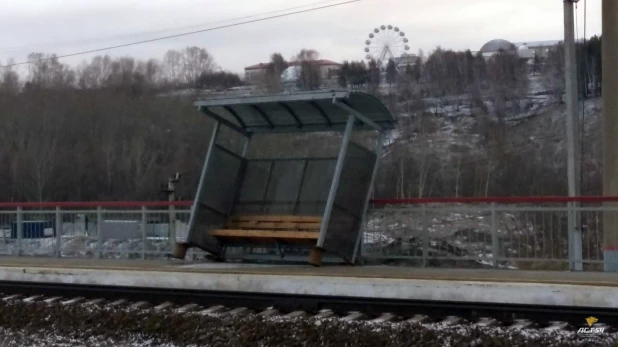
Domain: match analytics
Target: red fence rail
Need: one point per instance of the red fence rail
(486, 200)
(94, 204)
(498, 200)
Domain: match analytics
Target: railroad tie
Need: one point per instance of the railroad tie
(556, 325)
(297, 314)
(187, 308)
(95, 302)
(240, 311)
(52, 299)
(451, 320)
(164, 306)
(12, 297)
(386, 317)
(214, 310)
(33, 298)
(325, 314)
(486, 322)
(73, 301)
(521, 324)
(354, 316)
(418, 319)
(271, 312)
(118, 303)
(142, 305)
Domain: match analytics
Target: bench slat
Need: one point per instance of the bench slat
(291, 219)
(265, 234)
(274, 225)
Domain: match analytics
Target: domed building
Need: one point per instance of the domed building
(495, 46)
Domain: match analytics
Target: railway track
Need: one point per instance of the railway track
(548, 318)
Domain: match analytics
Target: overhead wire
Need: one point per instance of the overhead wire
(87, 41)
(181, 34)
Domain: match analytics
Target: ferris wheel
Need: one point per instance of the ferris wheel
(384, 43)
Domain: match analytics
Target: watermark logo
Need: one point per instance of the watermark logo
(591, 329)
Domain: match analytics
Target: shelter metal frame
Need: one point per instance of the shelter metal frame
(322, 111)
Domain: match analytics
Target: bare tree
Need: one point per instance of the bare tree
(47, 72)
(274, 70)
(309, 77)
(553, 72)
(9, 80)
(196, 61)
(172, 66)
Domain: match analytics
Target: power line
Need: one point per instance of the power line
(86, 41)
(182, 34)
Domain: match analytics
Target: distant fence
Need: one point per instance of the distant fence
(502, 232)
(92, 229)
(506, 232)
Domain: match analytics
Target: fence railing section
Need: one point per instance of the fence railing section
(517, 233)
(105, 230)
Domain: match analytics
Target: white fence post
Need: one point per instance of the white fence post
(99, 235)
(144, 222)
(20, 230)
(58, 232)
(575, 239)
(495, 245)
(578, 264)
(425, 236)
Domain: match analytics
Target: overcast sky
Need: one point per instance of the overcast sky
(68, 26)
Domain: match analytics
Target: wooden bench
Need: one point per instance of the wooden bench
(296, 230)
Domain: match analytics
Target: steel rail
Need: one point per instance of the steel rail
(470, 311)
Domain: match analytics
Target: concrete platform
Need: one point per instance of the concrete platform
(580, 289)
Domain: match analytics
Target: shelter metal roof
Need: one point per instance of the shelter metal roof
(299, 112)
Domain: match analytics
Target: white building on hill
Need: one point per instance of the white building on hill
(255, 74)
(525, 50)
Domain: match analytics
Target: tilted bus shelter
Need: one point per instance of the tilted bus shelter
(313, 204)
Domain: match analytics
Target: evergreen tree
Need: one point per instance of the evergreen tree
(391, 72)
(342, 79)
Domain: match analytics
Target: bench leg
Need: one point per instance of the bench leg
(315, 256)
(180, 250)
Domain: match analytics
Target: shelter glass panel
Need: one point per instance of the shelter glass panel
(316, 186)
(216, 198)
(285, 186)
(346, 216)
(221, 180)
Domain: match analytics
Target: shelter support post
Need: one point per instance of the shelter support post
(358, 250)
(317, 253)
(180, 250)
(610, 132)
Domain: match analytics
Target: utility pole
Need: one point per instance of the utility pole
(610, 131)
(572, 130)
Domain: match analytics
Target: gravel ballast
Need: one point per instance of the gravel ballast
(42, 324)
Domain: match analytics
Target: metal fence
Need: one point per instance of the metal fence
(507, 233)
(515, 233)
(105, 230)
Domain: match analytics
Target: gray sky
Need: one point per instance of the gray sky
(67, 26)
